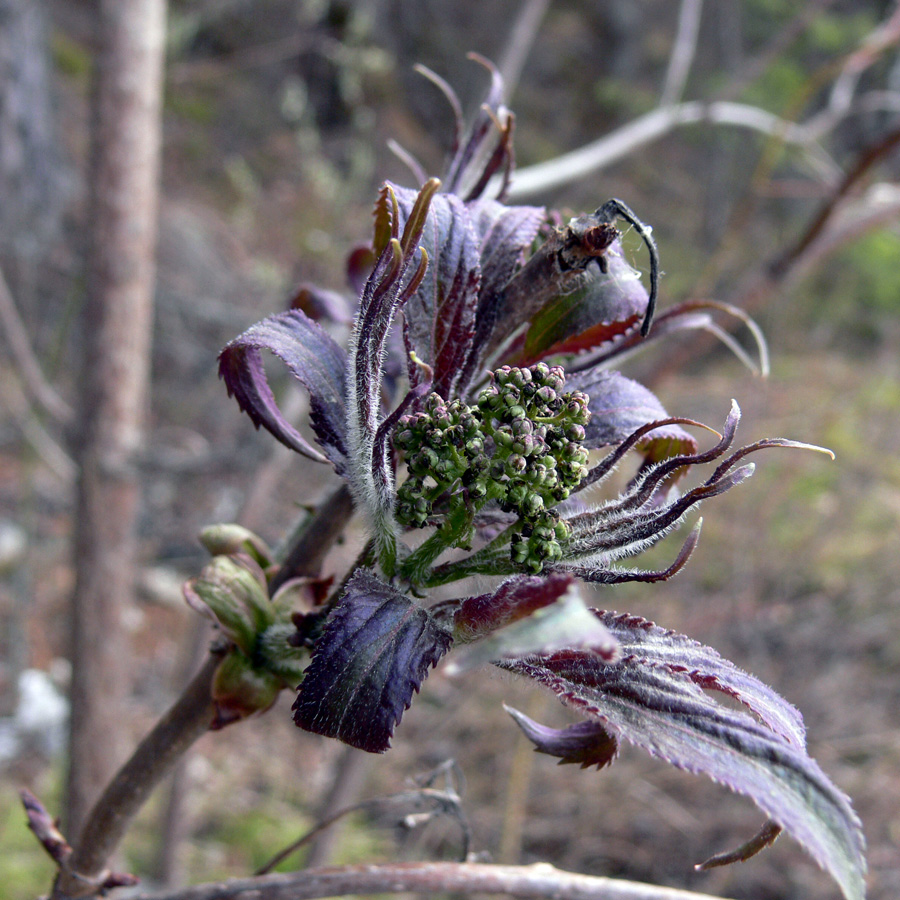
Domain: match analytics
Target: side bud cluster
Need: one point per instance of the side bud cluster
(520, 445)
(441, 445)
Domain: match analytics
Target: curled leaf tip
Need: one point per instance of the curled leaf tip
(800, 445)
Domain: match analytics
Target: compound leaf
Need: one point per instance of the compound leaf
(654, 697)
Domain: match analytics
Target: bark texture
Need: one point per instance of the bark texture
(123, 182)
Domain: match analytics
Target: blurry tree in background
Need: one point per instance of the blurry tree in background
(122, 214)
(32, 185)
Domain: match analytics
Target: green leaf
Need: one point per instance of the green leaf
(232, 590)
(240, 690)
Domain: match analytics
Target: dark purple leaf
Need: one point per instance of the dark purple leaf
(314, 358)
(360, 262)
(440, 316)
(374, 654)
(585, 743)
(319, 303)
(654, 698)
(599, 307)
(619, 406)
(515, 599)
(505, 233)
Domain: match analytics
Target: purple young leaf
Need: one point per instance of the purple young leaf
(585, 743)
(374, 654)
(619, 406)
(704, 666)
(653, 697)
(314, 358)
(440, 316)
(514, 599)
(486, 149)
(505, 234)
(319, 303)
(598, 307)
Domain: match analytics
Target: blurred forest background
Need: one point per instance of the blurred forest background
(277, 115)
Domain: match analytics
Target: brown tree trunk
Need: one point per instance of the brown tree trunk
(123, 182)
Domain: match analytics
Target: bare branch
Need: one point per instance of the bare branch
(155, 756)
(521, 39)
(806, 14)
(683, 50)
(34, 384)
(654, 125)
(535, 881)
(841, 98)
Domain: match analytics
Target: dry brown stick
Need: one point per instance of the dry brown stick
(535, 881)
(817, 225)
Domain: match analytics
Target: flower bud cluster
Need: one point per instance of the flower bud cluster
(521, 445)
(441, 445)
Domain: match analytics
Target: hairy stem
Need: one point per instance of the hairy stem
(430, 879)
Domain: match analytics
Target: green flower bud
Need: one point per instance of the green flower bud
(515, 464)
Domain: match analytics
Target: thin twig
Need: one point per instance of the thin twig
(34, 384)
(521, 39)
(540, 880)
(684, 49)
(438, 803)
(652, 126)
(348, 777)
